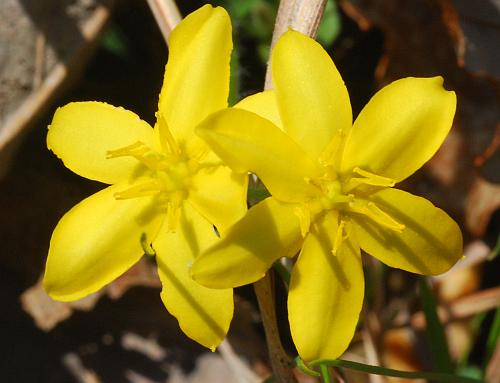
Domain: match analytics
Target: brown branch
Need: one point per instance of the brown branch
(465, 307)
(280, 360)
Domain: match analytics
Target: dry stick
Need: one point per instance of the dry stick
(280, 360)
(166, 14)
(60, 75)
(369, 344)
(301, 15)
(461, 308)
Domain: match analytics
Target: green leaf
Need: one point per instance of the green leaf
(114, 41)
(241, 8)
(495, 251)
(493, 335)
(330, 26)
(435, 330)
(470, 372)
(234, 81)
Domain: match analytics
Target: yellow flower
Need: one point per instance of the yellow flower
(331, 184)
(167, 189)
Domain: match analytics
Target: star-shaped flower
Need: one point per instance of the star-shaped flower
(332, 190)
(167, 189)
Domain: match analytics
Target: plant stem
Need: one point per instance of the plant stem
(435, 376)
(280, 361)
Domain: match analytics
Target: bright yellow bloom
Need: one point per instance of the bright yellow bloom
(331, 184)
(168, 187)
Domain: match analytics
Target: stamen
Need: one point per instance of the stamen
(140, 190)
(125, 151)
(304, 219)
(139, 151)
(368, 178)
(166, 136)
(332, 154)
(339, 237)
(375, 213)
(374, 179)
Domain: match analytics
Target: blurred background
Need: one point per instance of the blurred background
(56, 51)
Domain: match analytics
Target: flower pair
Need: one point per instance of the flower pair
(331, 184)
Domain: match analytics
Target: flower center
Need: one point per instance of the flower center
(344, 197)
(169, 175)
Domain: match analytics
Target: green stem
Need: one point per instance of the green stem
(305, 369)
(376, 370)
(325, 373)
(434, 329)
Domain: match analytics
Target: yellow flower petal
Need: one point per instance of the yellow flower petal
(312, 98)
(270, 230)
(430, 243)
(203, 314)
(264, 104)
(219, 195)
(82, 132)
(96, 241)
(401, 128)
(326, 293)
(247, 142)
(196, 79)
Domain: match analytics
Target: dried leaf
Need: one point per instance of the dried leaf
(47, 313)
(482, 201)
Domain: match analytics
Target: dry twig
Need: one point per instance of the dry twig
(166, 14)
(301, 15)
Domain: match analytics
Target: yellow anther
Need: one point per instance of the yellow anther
(372, 211)
(374, 179)
(304, 215)
(339, 237)
(125, 151)
(167, 140)
(368, 178)
(140, 152)
(141, 190)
